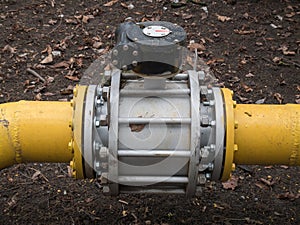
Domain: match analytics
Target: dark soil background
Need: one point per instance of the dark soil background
(251, 46)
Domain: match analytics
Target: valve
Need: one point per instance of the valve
(154, 122)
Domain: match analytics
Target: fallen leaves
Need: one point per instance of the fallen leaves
(9, 49)
(110, 3)
(278, 97)
(288, 196)
(223, 18)
(286, 51)
(199, 46)
(48, 59)
(232, 183)
(244, 32)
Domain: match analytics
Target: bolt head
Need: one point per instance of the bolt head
(106, 190)
(125, 47)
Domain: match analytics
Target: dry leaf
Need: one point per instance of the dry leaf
(73, 78)
(97, 44)
(47, 60)
(243, 32)
(261, 186)
(247, 88)
(186, 16)
(86, 19)
(268, 182)
(38, 97)
(62, 64)
(198, 46)
(8, 48)
(249, 75)
(278, 97)
(276, 59)
(71, 21)
(111, 3)
(288, 196)
(285, 50)
(36, 175)
(231, 183)
(124, 5)
(212, 61)
(223, 18)
(67, 91)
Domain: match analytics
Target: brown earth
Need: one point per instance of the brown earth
(252, 48)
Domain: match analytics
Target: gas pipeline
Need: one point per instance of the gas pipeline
(149, 118)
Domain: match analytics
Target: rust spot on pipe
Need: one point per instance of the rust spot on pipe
(137, 127)
(4, 123)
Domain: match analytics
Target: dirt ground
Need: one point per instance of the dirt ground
(253, 47)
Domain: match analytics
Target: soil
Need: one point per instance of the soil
(253, 48)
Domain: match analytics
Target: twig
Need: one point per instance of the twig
(35, 74)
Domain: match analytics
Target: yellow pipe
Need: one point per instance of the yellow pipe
(34, 132)
(267, 134)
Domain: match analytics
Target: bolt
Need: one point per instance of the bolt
(206, 103)
(135, 39)
(210, 166)
(204, 90)
(135, 53)
(106, 190)
(134, 63)
(71, 124)
(236, 125)
(70, 146)
(235, 147)
(99, 102)
(124, 67)
(204, 121)
(115, 62)
(104, 166)
(176, 41)
(115, 52)
(201, 75)
(97, 165)
(208, 176)
(233, 167)
(212, 123)
(72, 103)
(103, 152)
(103, 178)
(107, 73)
(97, 123)
(201, 179)
(212, 147)
(149, 27)
(75, 91)
(125, 47)
(99, 90)
(234, 104)
(204, 152)
(97, 146)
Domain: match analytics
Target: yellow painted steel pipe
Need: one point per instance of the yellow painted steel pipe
(267, 134)
(35, 132)
(260, 134)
